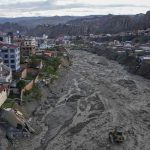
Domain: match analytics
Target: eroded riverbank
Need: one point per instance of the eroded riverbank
(94, 95)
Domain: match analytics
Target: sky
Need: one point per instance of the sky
(22, 8)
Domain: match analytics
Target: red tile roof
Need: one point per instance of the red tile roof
(49, 53)
(2, 88)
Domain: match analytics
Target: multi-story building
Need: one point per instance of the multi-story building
(11, 55)
(28, 47)
(42, 42)
(6, 37)
(5, 73)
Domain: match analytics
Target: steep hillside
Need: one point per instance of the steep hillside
(110, 23)
(34, 21)
(80, 26)
(96, 25)
(13, 27)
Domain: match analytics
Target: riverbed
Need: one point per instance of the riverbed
(92, 97)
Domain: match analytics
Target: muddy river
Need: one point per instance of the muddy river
(91, 98)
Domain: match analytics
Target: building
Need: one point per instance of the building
(18, 41)
(28, 47)
(3, 94)
(50, 54)
(145, 59)
(11, 55)
(6, 37)
(42, 42)
(117, 43)
(128, 44)
(5, 73)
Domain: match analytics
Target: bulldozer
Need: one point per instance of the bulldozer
(117, 136)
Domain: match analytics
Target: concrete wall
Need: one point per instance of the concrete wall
(29, 86)
(24, 74)
(36, 79)
(6, 79)
(3, 97)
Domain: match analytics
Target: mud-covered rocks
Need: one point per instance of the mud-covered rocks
(130, 84)
(98, 94)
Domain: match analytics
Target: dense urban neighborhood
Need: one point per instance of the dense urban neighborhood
(75, 92)
(26, 63)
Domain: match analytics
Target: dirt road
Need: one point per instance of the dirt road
(95, 95)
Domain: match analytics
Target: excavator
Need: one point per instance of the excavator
(117, 135)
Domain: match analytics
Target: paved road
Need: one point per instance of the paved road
(94, 96)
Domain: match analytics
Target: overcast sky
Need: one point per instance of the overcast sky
(17, 8)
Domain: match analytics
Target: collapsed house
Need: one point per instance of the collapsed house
(19, 125)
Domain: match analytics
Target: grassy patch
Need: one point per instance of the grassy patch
(51, 66)
(34, 94)
(9, 103)
(29, 77)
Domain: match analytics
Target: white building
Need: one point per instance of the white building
(11, 55)
(6, 38)
(144, 58)
(3, 94)
(5, 73)
(42, 42)
(128, 44)
(30, 41)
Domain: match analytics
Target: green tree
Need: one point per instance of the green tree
(21, 84)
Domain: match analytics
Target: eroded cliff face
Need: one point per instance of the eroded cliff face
(93, 97)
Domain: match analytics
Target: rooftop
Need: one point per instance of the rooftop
(2, 88)
(145, 57)
(9, 46)
(4, 70)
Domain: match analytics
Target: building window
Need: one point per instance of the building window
(6, 61)
(6, 56)
(12, 61)
(4, 51)
(12, 56)
(13, 66)
(12, 50)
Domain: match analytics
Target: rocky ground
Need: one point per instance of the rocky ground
(90, 99)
